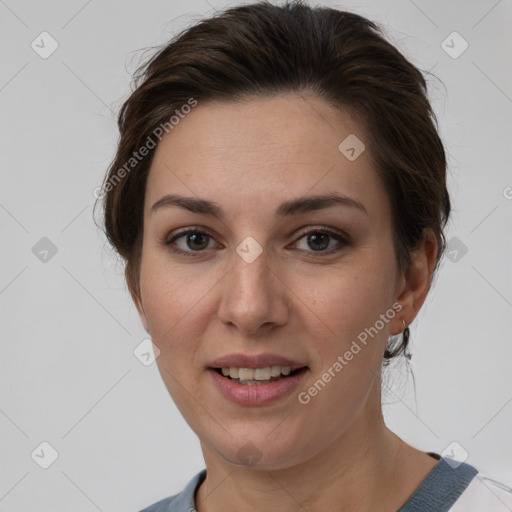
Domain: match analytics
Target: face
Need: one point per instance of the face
(301, 284)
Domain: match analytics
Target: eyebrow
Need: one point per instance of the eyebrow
(291, 207)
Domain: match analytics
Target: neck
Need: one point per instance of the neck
(367, 468)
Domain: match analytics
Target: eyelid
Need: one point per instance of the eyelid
(324, 229)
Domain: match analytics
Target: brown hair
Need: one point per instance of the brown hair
(262, 49)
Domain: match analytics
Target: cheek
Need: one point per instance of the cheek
(349, 320)
(348, 349)
(173, 304)
(348, 300)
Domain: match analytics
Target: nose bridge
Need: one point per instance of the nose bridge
(251, 293)
(251, 276)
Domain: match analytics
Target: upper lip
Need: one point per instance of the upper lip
(255, 361)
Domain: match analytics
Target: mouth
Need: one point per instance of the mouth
(258, 376)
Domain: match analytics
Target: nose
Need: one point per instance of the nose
(254, 298)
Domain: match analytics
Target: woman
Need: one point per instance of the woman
(279, 196)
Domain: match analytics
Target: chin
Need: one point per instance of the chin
(258, 452)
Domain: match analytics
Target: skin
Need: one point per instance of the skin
(292, 300)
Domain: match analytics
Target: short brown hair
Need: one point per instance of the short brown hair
(263, 49)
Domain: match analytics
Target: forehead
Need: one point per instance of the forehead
(269, 149)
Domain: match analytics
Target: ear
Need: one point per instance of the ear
(415, 283)
(135, 297)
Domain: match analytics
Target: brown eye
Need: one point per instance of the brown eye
(195, 241)
(318, 240)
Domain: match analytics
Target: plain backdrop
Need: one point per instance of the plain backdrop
(69, 376)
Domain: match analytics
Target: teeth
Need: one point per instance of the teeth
(275, 371)
(245, 373)
(255, 373)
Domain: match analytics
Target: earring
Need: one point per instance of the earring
(405, 341)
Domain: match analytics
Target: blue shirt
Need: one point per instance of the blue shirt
(450, 486)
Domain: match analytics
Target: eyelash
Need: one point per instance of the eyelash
(343, 239)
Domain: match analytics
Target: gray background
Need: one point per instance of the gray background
(68, 373)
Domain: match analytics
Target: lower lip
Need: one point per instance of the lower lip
(257, 394)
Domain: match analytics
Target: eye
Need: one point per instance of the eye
(196, 241)
(193, 239)
(320, 239)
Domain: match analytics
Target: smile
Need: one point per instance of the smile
(257, 376)
(256, 386)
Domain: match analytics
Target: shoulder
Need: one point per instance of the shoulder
(181, 502)
(484, 493)
(454, 486)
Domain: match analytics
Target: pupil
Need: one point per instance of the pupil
(193, 238)
(317, 236)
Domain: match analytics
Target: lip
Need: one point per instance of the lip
(255, 361)
(261, 394)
